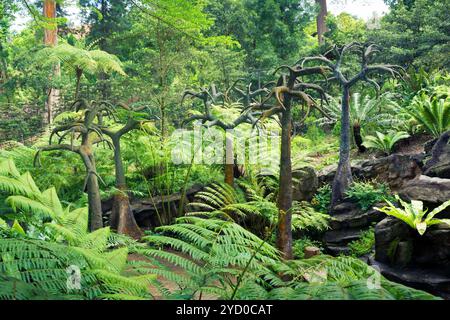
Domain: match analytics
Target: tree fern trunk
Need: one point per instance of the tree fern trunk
(95, 203)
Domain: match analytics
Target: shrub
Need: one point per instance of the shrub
(366, 194)
(364, 244)
(322, 199)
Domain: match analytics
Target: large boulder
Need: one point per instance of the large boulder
(348, 215)
(404, 256)
(439, 164)
(305, 184)
(397, 244)
(427, 189)
(395, 170)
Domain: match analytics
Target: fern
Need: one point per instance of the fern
(218, 252)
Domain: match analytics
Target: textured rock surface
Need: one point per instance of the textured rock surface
(395, 170)
(439, 164)
(427, 189)
(433, 280)
(148, 212)
(349, 220)
(398, 245)
(305, 184)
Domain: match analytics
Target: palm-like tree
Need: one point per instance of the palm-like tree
(82, 59)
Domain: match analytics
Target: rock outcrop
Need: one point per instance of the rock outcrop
(305, 184)
(426, 189)
(439, 164)
(152, 212)
(395, 170)
(405, 256)
(349, 220)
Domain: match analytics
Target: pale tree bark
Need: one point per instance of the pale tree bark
(321, 20)
(51, 39)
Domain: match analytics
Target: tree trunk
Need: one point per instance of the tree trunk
(284, 234)
(122, 218)
(358, 138)
(321, 20)
(93, 190)
(94, 200)
(51, 39)
(79, 73)
(229, 161)
(343, 176)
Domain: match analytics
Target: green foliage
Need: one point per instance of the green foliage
(384, 142)
(224, 259)
(344, 278)
(322, 199)
(432, 113)
(414, 34)
(255, 210)
(364, 244)
(414, 214)
(366, 194)
(299, 245)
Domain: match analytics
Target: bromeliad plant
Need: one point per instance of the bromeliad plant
(414, 215)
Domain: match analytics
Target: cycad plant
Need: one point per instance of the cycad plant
(365, 112)
(414, 214)
(384, 142)
(431, 113)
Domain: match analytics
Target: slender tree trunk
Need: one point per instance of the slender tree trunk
(122, 218)
(229, 161)
(321, 20)
(79, 73)
(343, 176)
(358, 138)
(284, 235)
(51, 39)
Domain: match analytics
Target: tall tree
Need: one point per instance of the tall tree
(209, 97)
(321, 20)
(51, 40)
(415, 32)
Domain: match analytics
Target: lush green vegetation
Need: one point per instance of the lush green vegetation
(163, 149)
